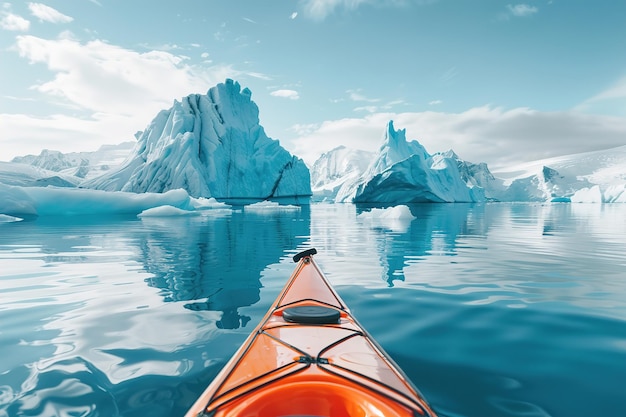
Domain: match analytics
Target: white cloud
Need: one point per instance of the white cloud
(48, 14)
(521, 10)
(114, 92)
(10, 21)
(435, 102)
(293, 15)
(106, 78)
(290, 94)
(483, 134)
(358, 97)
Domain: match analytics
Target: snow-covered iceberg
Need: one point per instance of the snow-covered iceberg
(336, 167)
(589, 177)
(546, 184)
(403, 172)
(211, 146)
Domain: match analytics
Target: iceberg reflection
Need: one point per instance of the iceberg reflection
(433, 230)
(215, 262)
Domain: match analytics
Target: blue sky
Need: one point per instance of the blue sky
(497, 81)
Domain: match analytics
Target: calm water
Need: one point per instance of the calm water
(492, 310)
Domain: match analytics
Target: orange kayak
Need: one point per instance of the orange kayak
(310, 357)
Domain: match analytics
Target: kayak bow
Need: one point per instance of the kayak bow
(310, 357)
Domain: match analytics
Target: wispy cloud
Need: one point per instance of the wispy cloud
(293, 15)
(259, 76)
(247, 19)
(48, 14)
(13, 22)
(449, 75)
(355, 95)
(163, 47)
(522, 10)
(518, 10)
(393, 103)
(613, 97)
(320, 9)
(434, 102)
(304, 129)
(18, 98)
(290, 94)
(617, 90)
(221, 33)
(375, 104)
(367, 109)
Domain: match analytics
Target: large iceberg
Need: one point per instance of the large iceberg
(211, 146)
(403, 172)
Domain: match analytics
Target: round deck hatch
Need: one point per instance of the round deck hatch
(311, 315)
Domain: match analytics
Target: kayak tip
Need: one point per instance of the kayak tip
(304, 254)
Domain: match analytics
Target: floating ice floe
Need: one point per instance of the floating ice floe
(166, 211)
(397, 219)
(9, 219)
(269, 205)
(207, 203)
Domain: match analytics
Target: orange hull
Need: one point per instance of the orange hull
(309, 356)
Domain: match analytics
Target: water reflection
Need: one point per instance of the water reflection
(435, 231)
(216, 261)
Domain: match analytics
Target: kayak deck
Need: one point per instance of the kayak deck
(310, 357)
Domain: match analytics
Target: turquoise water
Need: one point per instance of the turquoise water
(492, 310)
